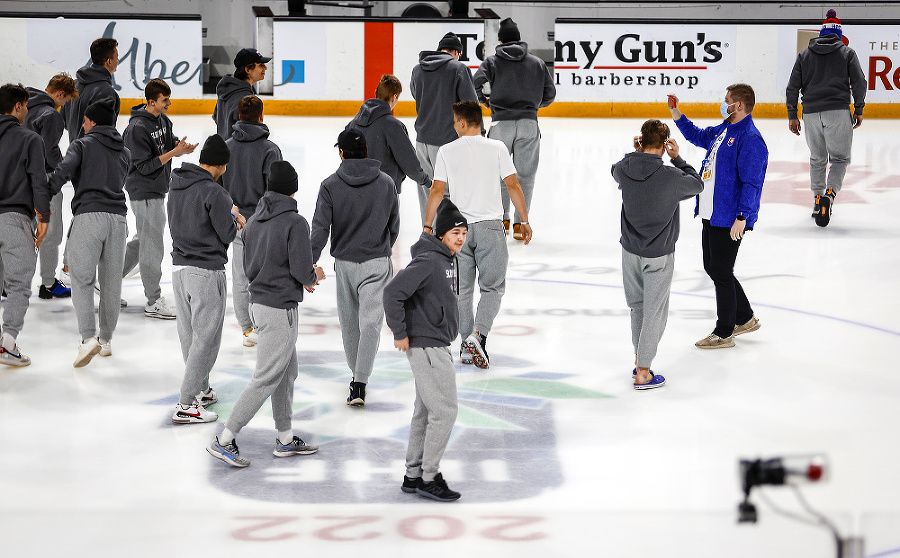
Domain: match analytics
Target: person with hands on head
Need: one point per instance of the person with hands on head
(733, 173)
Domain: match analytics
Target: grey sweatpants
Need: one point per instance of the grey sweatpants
(49, 252)
(523, 139)
(95, 249)
(427, 155)
(361, 311)
(146, 248)
(485, 252)
(434, 413)
(18, 259)
(240, 286)
(276, 369)
(200, 302)
(647, 283)
(829, 135)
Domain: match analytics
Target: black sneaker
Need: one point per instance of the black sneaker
(817, 207)
(58, 290)
(410, 485)
(357, 396)
(823, 217)
(475, 344)
(437, 490)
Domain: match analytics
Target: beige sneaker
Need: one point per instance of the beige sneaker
(713, 341)
(751, 325)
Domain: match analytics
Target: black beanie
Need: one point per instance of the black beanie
(215, 151)
(282, 178)
(101, 114)
(450, 42)
(448, 217)
(509, 31)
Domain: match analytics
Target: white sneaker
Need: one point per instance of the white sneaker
(65, 279)
(14, 357)
(187, 414)
(207, 398)
(251, 338)
(86, 351)
(105, 348)
(160, 309)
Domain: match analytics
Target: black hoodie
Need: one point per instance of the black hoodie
(94, 83)
(23, 177)
(825, 73)
(358, 205)
(44, 120)
(420, 302)
(200, 219)
(230, 90)
(520, 82)
(437, 82)
(277, 254)
(252, 155)
(97, 165)
(388, 142)
(148, 137)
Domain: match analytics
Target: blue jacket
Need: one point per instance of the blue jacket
(740, 168)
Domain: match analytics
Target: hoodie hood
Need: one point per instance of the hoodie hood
(249, 131)
(430, 243)
(431, 60)
(826, 44)
(7, 121)
(274, 204)
(512, 51)
(92, 74)
(638, 166)
(188, 175)
(38, 98)
(359, 172)
(372, 110)
(230, 86)
(108, 136)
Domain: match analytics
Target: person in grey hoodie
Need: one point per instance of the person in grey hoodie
(358, 205)
(45, 120)
(153, 145)
(279, 264)
(94, 83)
(826, 74)
(518, 85)
(23, 195)
(651, 192)
(95, 250)
(203, 221)
(386, 137)
(249, 68)
(252, 155)
(438, 81)
(420, 306)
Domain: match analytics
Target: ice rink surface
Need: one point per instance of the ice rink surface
(554, 453)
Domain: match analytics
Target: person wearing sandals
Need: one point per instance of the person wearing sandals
(651, 192)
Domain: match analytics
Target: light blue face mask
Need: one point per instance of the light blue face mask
(723, 108)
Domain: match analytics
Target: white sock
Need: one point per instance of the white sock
(226, 437)
(286, 437)
(9, 342)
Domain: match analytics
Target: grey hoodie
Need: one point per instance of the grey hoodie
(44, 120)
(650, 195)
(230, 90)
(97, 164)
(148, 137)
(388, 142)
(520, 83)
(358, 205)
(252, 154)
(277, 254)
(94, 83)
(23, 176)
(825, 73)
(420, 302)
(200, 219)
(437, 82)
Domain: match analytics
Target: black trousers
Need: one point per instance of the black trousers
(719, 255)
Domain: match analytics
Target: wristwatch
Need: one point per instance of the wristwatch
(741, 218)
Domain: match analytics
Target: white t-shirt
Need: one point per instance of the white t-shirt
(708, 174)
(473, 168)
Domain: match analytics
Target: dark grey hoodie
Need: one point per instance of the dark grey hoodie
(200, 219)
(437, 82)
(148, 137)
(388, 142)
(650, 195)
(94, 83)
(44, 120)
(23, 176)
(825, 73)
(277, 254)
(97, 164)
(358, 205)
(252, 154)
(420, 302)
(230, 90)
(520, 82)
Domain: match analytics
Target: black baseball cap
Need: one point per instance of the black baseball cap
(247, 56)
(351, 139)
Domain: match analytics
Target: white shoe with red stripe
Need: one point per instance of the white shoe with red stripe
(187, 414)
